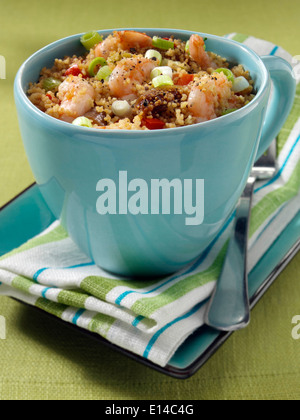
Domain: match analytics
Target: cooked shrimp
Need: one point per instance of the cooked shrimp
(103, 49)
(198, 53)
(133, 39)
(206, 96)
(201, 105)
(123, 39)
(77, 97)
(127, 73)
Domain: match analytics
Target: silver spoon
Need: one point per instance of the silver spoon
(228, 308)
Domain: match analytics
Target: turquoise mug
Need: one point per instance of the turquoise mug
(202, 169)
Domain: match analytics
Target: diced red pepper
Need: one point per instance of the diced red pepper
(74, 70)
(153, 123)
(185, 79)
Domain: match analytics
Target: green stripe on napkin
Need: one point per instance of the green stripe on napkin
(51, 307)
(147, 306)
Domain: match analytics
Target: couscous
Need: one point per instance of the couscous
(130, 80)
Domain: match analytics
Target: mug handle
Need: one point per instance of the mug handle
(281, 101)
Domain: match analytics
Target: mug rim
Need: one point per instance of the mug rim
(51, 121)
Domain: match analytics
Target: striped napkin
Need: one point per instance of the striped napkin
(152, 318)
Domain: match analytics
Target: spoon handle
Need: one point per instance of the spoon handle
(228, 308)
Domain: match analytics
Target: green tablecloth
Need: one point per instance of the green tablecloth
(42, 360)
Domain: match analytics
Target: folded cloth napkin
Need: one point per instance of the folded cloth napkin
(151, 318)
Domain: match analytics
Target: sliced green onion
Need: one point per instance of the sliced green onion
(239, 84)
(187, 47)
(121, 108)
(155, 56)
(50, 83)
(83, 122)
(161, 43)
(228, 73)
(162, 70)
(229, 111)
(162, 80)
(90, 39)
(103, 73)
(99, 61)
